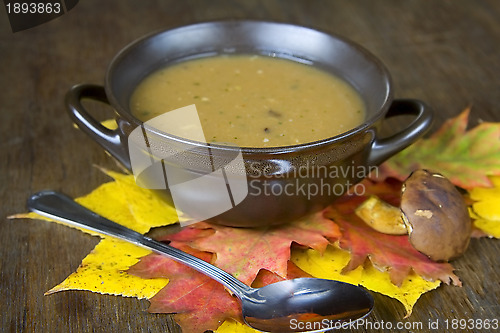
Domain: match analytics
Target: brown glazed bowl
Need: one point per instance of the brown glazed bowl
(284, 183)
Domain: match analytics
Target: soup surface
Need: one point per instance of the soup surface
(253, 101)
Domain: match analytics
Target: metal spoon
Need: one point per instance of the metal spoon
(298, 305)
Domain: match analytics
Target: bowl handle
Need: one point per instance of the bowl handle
(110, 140)
(384, 148)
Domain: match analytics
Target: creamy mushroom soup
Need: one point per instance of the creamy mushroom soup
(253, 101)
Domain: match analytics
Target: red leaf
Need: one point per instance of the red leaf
(198, 302)
(392, 253)
(243, 252)
(159, 266)
(261, 256)
(386, 252)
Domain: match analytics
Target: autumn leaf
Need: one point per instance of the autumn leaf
(263, 279)
(266, 277)
(120, 200)
(389, 253)
(147, 207)
(466, 157)
(317, 262)
(212, 303)
(243, 252)
(103, 270)
(331, 264)
(232, 326)
(155, 265)
(486, 208)
(197, 302)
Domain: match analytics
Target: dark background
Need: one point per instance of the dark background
(443, 52)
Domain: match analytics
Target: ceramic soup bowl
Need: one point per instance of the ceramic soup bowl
(281, 184)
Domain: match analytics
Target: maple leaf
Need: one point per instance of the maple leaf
(386, 252)
(330, 265)
(156, 265)
(212, 303)
(392, 253)
(467, 158)
(102, 271)
(243, 252)
(198, 302)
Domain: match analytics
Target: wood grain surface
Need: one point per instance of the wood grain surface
(445, 53)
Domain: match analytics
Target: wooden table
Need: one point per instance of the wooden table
(443, 52)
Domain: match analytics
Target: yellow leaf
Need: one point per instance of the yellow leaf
(146, 206)
(330, 265)
(232, 326)
(106, 200)
(486, 208)
(109, 201)
(104, 271)
(492, 228)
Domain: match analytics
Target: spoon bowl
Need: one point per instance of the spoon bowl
(298, 305)
(305, 305)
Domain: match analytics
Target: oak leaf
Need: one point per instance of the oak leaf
(466, 157)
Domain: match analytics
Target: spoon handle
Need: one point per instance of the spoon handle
(58, 206)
